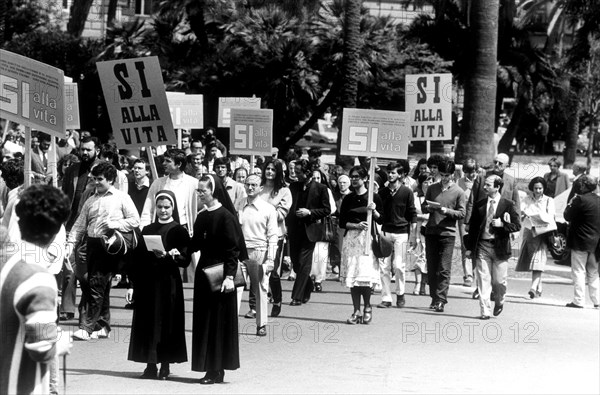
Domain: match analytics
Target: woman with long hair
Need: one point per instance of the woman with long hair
(276, 192)
(359, 272)
(535, 208)
(417, 261)
(219, 238)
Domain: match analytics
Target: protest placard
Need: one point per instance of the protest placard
(136, 102)
(187, 111)
(71, 106)
(251, 132)
(227, 103)
(429, 104)
(31, 93)
(374, 133)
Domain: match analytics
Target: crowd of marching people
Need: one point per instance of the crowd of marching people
(226, 225)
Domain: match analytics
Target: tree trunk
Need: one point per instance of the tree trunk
(195, 12)
(477, 134)
(319, 111)
(3, 16)
(515, 124)
(79, 14)
(351, 53)
(111, 14)
(574, 107)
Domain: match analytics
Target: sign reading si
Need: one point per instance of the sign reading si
(71, 106)
(227, 103)
(429, 103)
(136, 101)
(187, 111)
(251, 132)
(31, 93)
(375, 133)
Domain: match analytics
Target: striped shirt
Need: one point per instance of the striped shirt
(28, 325)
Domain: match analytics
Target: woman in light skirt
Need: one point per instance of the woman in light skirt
(359, 268)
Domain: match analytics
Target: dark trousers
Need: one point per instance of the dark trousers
(438, 251)
(94, 312)
(275, 279)
(301, 252)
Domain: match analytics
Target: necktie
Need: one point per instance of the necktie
(490, 217)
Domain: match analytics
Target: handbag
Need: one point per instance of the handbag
(215, 274)
(544, 228)
(120, 243)
(382, 246)
(321, 230)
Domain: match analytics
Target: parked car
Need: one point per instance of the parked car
(324, 133)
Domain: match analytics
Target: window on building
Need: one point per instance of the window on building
(143, 7)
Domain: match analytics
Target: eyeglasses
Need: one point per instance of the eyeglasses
(496, 162)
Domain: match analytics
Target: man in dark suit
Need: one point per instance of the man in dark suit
(493, 219)
(310, 203)
(39, 157)
(583, 214)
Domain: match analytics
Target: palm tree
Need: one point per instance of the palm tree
(477, 133)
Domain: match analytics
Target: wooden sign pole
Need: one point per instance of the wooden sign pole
(152, 163)
(369, 201)
(27, 153)
(53, 162)
(252, 159)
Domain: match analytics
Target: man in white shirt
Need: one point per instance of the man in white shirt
(259, 225)
(107, 209)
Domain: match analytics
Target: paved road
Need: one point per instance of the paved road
(534, 346)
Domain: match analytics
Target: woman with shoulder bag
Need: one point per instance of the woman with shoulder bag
(359, 272)
(537, 211)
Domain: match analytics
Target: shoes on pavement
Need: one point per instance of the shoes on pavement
(100, 334)
(306, 300)
(439, 307)
(163, 374)
(384, 305)
(149, 373)
(484, 317)
(571, 304)
(211, 377)
(367, 315)
(531, 293)
(475, 294)
(400, 301)
(538, 294)
(354, 319)
(129, 306)
(81, 334)
(276, 310)
(318, 287)
(432, 305)
(498, 307)
(417, 289)
(295, 302)
(261, 331)
(596, 306)
(250, 314)
(468, 282)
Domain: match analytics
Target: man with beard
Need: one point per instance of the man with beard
(75, 182)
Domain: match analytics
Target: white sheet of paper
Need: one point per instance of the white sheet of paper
(154, 242)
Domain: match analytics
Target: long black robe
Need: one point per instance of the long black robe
(215, 343)
(158, 328)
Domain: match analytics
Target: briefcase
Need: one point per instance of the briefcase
(215, 276)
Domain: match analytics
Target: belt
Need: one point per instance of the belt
(491, 241)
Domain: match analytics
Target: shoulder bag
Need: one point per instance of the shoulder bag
(545, 228)
(382, 246)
